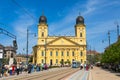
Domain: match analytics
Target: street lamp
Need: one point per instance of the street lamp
(27, 47)
(27, 44)
(45, 49)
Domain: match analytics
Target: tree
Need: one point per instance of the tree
(112, 53)
(62, 62)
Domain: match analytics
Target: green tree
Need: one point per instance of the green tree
(112, 53)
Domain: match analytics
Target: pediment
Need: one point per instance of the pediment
(62, 41)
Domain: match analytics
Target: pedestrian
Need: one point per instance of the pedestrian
(91, 66)
(21, 68)
(17, 69)
(45, 66)
(29, 68)
(41, 67)
(10, 70)
(87, 67)
(37, 68)
(81, 67)
(3, 70)
(84, 66)
(13, 69)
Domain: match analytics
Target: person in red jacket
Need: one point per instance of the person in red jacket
(13, 69)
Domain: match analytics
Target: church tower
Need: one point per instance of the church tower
(42, 30)
(57, 50)
(80, 35)
(80, 31)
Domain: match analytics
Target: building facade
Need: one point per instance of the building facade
(8, 51)
(53, 50)
(20, 58)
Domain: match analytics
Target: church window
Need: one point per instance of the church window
(42, 34)
(42, 53)
(73, 53)
(50, 53)
(56, 53)
(81, 53)
(62, 53)
(67, 53)
(80, 34)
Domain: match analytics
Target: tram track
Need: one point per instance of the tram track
(51, 75)
(61, 75)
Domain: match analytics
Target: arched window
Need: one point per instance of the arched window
(73, 53)
(67, 53)
(81, 53)
(62, 53)
(56, 53)
(80, 34)
(42, 34)
(42, 53)
(50, 53)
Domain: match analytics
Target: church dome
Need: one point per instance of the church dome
(42, 19)
(79, 20)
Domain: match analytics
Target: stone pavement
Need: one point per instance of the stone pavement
(98, 73)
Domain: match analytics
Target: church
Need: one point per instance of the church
(57, 50)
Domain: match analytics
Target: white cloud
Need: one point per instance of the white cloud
(90, 6)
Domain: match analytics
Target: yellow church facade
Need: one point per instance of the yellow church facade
(53, 50)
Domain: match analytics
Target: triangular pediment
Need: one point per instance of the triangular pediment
(62, 41)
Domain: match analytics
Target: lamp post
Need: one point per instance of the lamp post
(109, 37)
(27, 45)
(118, 30)
(45, 49)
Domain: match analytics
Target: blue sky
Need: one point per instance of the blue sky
(100, 16)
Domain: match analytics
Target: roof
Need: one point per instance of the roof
(92, 52)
